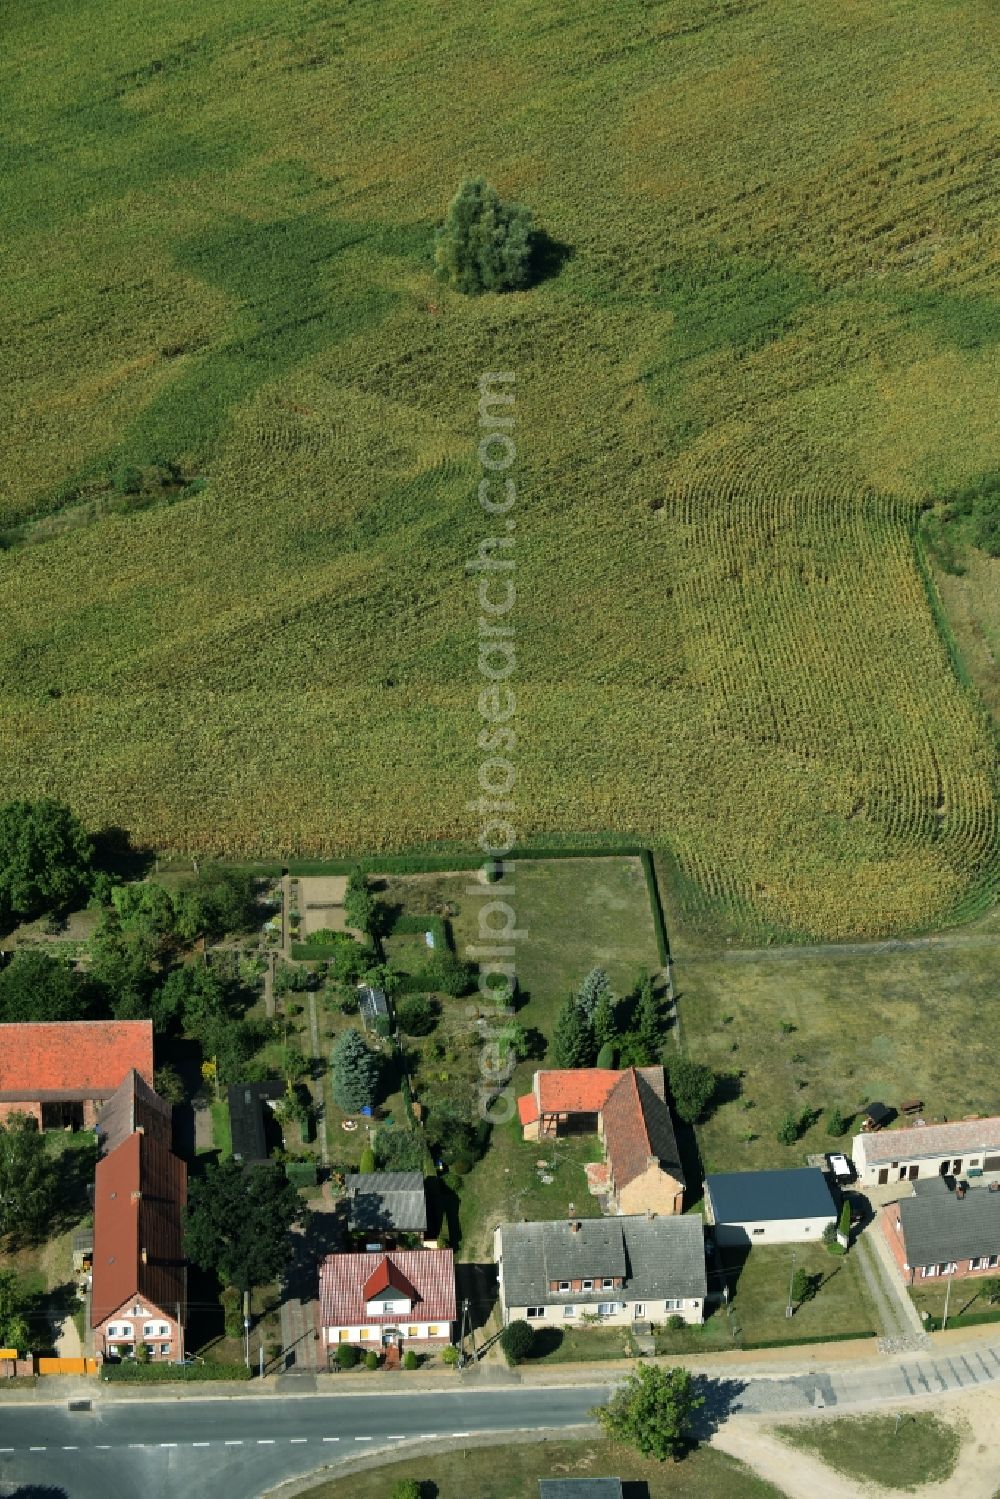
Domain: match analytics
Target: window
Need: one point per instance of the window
(607, 1284)
(343, 1334)
(569, 1311)
(673, 1304)
(564, 1285)
(606, 1308)
(758, 1230)
(413, 1332)
(164, 1349)
(535, 1312)
(433, 1332)
(588, 1285)
(991, 1263)
(928, 1271)
(949, 1268)
(365, 1333)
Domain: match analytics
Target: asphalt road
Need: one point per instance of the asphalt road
(203, 1448)
(193, 1448)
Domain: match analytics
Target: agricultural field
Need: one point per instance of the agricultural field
(803, 1033)
(239, 493)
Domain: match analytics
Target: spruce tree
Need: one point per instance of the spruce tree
(605, 1029)
(573, 1042)
(648, 1024)
(595, 987)
(355, 1071)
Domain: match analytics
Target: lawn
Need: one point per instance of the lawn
(754, 351)
(704, 1474)
(863, 1025)
(759, 1284)
(967, 1299)
(900, 1453)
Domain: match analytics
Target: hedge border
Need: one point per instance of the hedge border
(131, 1372)
(656, 905)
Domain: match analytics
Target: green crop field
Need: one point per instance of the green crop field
(241, 427)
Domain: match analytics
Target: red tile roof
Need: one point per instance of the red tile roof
(134, 1106)
(72, 1059)
(344, 1280)
(139, 1194)
(385, 1275)
(527, 1108)
(582, 1090)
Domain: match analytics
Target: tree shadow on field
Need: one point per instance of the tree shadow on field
(548, 256)
(116, 854)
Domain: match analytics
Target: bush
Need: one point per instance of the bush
(347, 1356)
(417, 1016)
(484, 244)
(836, 1124)
(450, 1356)
(692, 1086)
(517, 1341)
(367, 1163)
(406, 1488)
(371, 1359)
(675, 1323)
(788, 1130)
(232, 1311)
(410, 1360)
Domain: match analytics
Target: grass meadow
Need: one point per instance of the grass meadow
(805, 1033)
(241, 418)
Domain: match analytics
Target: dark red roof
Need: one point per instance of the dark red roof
(139, 1194)
(578, 1090)
(72, 1058)
(134, 1106)
(345, 1281)
(385, 1275)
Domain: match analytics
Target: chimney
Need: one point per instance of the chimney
(143, 1257)
(137, 1195)
(574, 1225)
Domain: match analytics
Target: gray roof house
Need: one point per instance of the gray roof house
(944, 1230)
(771, 1207)
(580, 1488)
(381, 1202)
(620, 1270)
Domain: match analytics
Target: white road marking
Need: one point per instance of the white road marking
(362, 1439)
(201, 1444)
(237, 1443)
(461, 1433)
(331, 1439)
(293, 1440)
(137, 1444)
(30, 1449)
(10, 1449)
(265, 1441)
(65, 1449)
(103, 1446)
(168, 1444)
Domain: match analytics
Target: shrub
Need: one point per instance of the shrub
(484, 244)
(232, 1311)
(836, 1124)
(406, 1488)
(675, 1323)
(417, 1015)
(692, 1085)
(450, 1356)
(517, 1340)
(347, 1356)
(410, 1360)
(371, 1359)
(606, 1055)
(788, 1130)
(367, 1163)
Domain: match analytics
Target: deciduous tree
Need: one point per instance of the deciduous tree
(38, 986)
(46, 858)
(29, 1180)
(484, 244)
(692, 1085)
(654, 1411)
(237, 1223)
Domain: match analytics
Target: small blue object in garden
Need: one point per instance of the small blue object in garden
(367, 1112)
(429, 938)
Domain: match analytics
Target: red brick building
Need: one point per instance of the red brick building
(139, 1292)
(944, 1230)
(61, 1072)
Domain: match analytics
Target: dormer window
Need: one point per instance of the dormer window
(588, 1285)
(564, 1285)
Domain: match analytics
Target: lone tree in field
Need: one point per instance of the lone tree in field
(355, 1073)
(653, 1410)
(237, 1223)
(45, 858)
(484, 244)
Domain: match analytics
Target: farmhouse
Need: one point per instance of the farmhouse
(629, 1111)
(61, 1072)
(382, 1204)
(616, 1270)
(132, 1108)
(944, 1230)
(385, 1300)
(922, 1150)
(139, 1290)
(768, 1207)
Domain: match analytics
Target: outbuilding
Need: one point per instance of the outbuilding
(769, 1207)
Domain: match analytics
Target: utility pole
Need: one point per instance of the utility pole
(947, 1300)
(246, 1325)
(789, 1309)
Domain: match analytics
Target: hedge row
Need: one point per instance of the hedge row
(301, 1173)
(653, 891)
(408, 921)
(828, 1337)
(129, 1371)
(963, 1319)
(310, 952)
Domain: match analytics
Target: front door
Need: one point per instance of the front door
(914, 1173)
(391, 1337)
(883, 1175)
(639, 1310)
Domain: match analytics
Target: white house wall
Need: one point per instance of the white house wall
(927, 1166)
(412, 1332)
(780, 1231)
(554, 1315)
